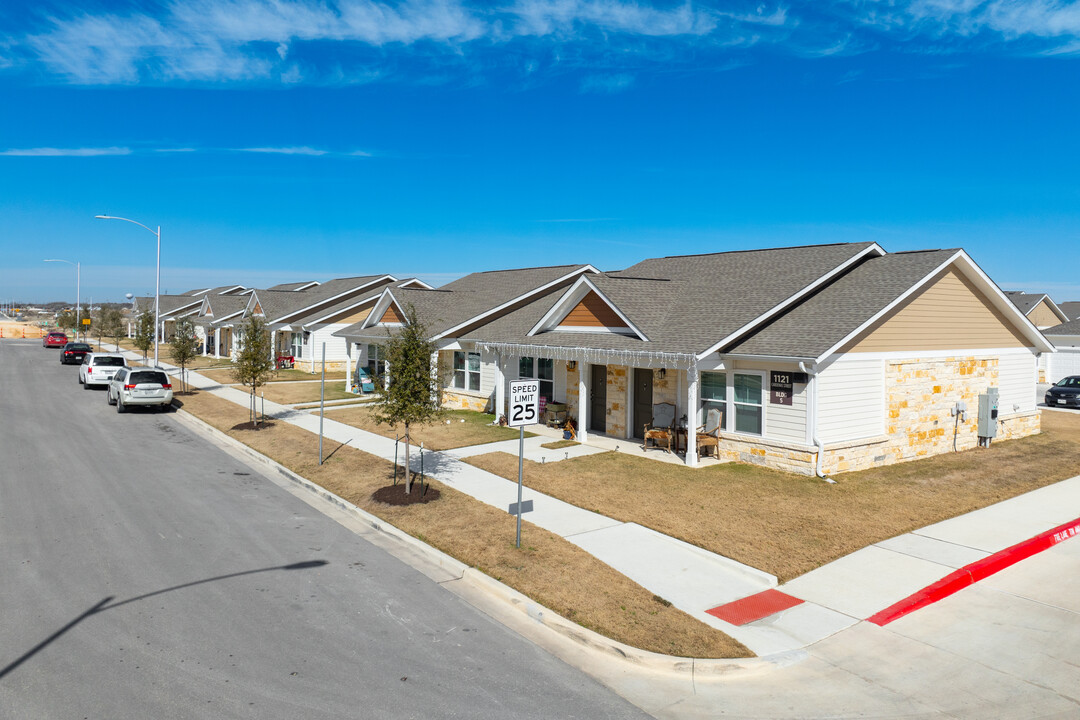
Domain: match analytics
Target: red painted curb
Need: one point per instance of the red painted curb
(976, 571)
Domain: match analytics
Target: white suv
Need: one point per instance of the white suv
(98, 368)
(140, 386)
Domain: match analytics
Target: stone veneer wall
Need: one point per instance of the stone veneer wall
(615, 417)
(918, 396)
(665, 389)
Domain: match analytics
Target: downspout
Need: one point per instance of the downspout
(812, 418)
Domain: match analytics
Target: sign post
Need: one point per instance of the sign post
(524, 410)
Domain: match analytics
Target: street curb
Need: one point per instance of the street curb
(509, 599)
(976, 571)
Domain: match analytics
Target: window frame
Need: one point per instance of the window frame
(462, 381)
(547, 385)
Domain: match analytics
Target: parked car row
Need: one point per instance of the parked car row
(125, 386)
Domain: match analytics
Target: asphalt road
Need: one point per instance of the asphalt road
(145, 573)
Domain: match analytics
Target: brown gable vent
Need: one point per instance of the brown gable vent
(592, 311)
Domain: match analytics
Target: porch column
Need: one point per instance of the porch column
(217, 343)
(691, 415)
(582, 405)
(434, 368)
(500, 387)
(273, 346)
(205, 341)
(348, 367)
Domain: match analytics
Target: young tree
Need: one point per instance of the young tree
(254, 364)
(112, 326)
(412, 394)
(184, 347)
(144, 332)
(66, 320)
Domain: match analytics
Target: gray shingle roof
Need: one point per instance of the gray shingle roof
(457, 302)
(1025, 301)
(277, 305)
(223, 306)
(1071, 309)
(290, 287)
(687, 304)
(1070, 328)
(816, 325)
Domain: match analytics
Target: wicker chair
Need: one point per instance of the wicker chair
(662, 428)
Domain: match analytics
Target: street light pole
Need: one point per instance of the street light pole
(78, 296)
(157, 278)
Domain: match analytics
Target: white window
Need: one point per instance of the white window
(737, 395)
(714, 393)
(376, 361)
(467, 371)
(542, 369)
(749, 410)
(296, 344)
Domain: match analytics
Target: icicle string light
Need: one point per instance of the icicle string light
(595, 356)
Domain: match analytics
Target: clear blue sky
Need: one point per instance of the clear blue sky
(277, 140)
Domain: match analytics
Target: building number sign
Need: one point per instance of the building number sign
(780, 384)
(524, 403)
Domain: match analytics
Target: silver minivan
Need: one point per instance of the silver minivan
(134, 386)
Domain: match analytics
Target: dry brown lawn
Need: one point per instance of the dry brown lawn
(304, 392)
(464, 428)
(548, 569)
(789, 524)
(225, 377)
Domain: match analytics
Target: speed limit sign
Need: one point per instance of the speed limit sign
(524, 403)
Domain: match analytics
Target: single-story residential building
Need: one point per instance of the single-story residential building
(1038, 308)
(303, 316)
(823, 359)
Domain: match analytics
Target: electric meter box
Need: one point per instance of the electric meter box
(988, 413)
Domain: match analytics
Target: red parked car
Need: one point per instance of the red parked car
(54, 339)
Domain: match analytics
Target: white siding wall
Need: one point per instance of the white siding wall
(335, 346)
(851, 400)
(1016, 383)
(1064, 362)
(782, 422)
(487, 373)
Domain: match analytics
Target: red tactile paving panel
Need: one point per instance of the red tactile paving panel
(755, 607)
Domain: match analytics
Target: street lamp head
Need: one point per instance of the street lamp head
(103, 217)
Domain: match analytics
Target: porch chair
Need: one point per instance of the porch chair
(708, 435)
(662, 427)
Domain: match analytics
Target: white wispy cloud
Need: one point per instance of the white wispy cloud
(613, 83)
(301, 150)
(345, 41)
(285, 150)
(222, 41)
(65, 152)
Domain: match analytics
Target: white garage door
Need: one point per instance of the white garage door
(1066, 361)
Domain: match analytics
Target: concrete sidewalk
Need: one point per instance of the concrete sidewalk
(833, 597)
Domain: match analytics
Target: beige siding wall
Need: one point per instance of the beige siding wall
(1043, 316)
(948, 314)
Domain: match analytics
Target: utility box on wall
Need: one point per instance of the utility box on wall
(988, 413)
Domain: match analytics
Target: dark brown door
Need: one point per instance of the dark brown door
(598, 399)
(642, 401)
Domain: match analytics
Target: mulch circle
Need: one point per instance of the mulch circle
(263, 425)
(395, 494)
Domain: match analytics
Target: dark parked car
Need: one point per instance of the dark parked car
(73, 353)
(54, 339)
(1065, 393)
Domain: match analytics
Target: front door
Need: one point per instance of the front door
(642, 401)
(598, 399)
